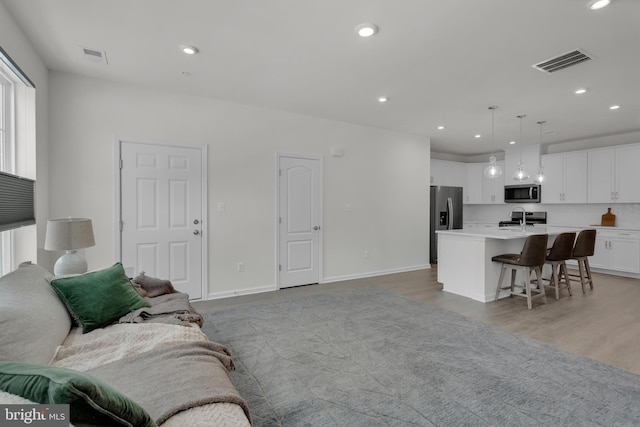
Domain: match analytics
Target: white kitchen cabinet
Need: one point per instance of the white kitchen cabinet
(617, 250)
(613, 174)
(493, 188)
(473, 188)
(444, 172)
(565, 178)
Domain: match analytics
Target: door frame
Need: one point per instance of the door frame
(117, 214)
(320, 214)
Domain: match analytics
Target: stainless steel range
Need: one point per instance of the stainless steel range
(530, 218)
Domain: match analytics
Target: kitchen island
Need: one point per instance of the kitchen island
(464, 257)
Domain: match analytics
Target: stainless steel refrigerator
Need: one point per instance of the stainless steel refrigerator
(446, 214)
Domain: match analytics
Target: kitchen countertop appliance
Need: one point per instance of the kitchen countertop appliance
(531, 218)
(446, 214)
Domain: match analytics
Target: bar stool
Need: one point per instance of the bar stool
(560, 252)
(530, 259)
(584, 248)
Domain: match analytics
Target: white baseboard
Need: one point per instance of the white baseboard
(248, 291)
(271, 288)
(375, 273)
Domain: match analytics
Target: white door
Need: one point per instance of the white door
(300, 217)
(161, 213)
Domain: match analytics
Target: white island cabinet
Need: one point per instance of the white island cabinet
(464, 257)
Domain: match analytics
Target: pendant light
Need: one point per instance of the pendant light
(540, 175)
(520, 174)
(493, 170)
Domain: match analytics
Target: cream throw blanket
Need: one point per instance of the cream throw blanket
(173, 308)
(165, 381)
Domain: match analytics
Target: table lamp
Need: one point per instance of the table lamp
(69, 234)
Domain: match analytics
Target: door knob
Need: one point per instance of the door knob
(317, 227)
(196, 232)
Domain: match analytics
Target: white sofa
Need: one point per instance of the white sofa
(137, 360)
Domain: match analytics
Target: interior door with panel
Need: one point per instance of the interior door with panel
(161, 225)
(299, 221)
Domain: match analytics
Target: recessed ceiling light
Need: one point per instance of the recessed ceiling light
(189, 50)
(366, 30)
(599, 4)
(382, 99)
(478, 136)
(614, 107)
(440, 127)
(580, 91)
(512, 142)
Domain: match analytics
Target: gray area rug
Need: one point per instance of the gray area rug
(369, 357)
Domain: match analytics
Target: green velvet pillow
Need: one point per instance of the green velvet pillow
(91, 401)
(98, 298)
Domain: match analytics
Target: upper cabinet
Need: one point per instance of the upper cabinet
(565, 178)
(613, 174)
(492, 188)
(473, 189)
(451, 174)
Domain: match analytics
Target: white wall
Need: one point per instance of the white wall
(383, 175)
(29, 241)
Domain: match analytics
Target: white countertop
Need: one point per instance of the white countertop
(506, 233)
(574, 227)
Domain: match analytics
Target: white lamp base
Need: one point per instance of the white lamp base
(70, 263)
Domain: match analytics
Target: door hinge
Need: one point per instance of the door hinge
(121, 225)
(121, 163)
(279, 220)
(279, 267)
(279, 172)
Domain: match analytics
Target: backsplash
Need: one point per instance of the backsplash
(627, 214)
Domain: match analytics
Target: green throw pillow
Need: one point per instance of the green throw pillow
(98, 298)
(91, 401)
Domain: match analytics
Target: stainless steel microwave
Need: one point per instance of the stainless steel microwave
(522, 193)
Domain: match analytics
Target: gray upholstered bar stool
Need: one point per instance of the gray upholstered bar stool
(560, 252)
(582, 250)
(530, 259)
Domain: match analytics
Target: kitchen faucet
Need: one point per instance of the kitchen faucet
(523, 222)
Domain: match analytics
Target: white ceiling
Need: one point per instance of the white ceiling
(439, 62)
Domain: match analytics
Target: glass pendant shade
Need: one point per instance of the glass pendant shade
(520, 174)
(540, 175)
(493, 170)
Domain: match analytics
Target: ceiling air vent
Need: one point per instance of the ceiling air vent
(563, 61)
(94, 55)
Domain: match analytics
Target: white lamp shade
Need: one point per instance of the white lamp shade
(69, 234)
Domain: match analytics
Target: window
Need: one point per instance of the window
(17, 110)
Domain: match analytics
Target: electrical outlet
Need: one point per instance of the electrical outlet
(240, 267)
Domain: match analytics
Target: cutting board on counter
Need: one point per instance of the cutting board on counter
(608, 219)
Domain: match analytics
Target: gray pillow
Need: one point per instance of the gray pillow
(33, 320)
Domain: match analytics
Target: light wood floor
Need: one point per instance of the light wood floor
(603, 324)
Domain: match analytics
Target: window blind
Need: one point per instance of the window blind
(17, 201)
